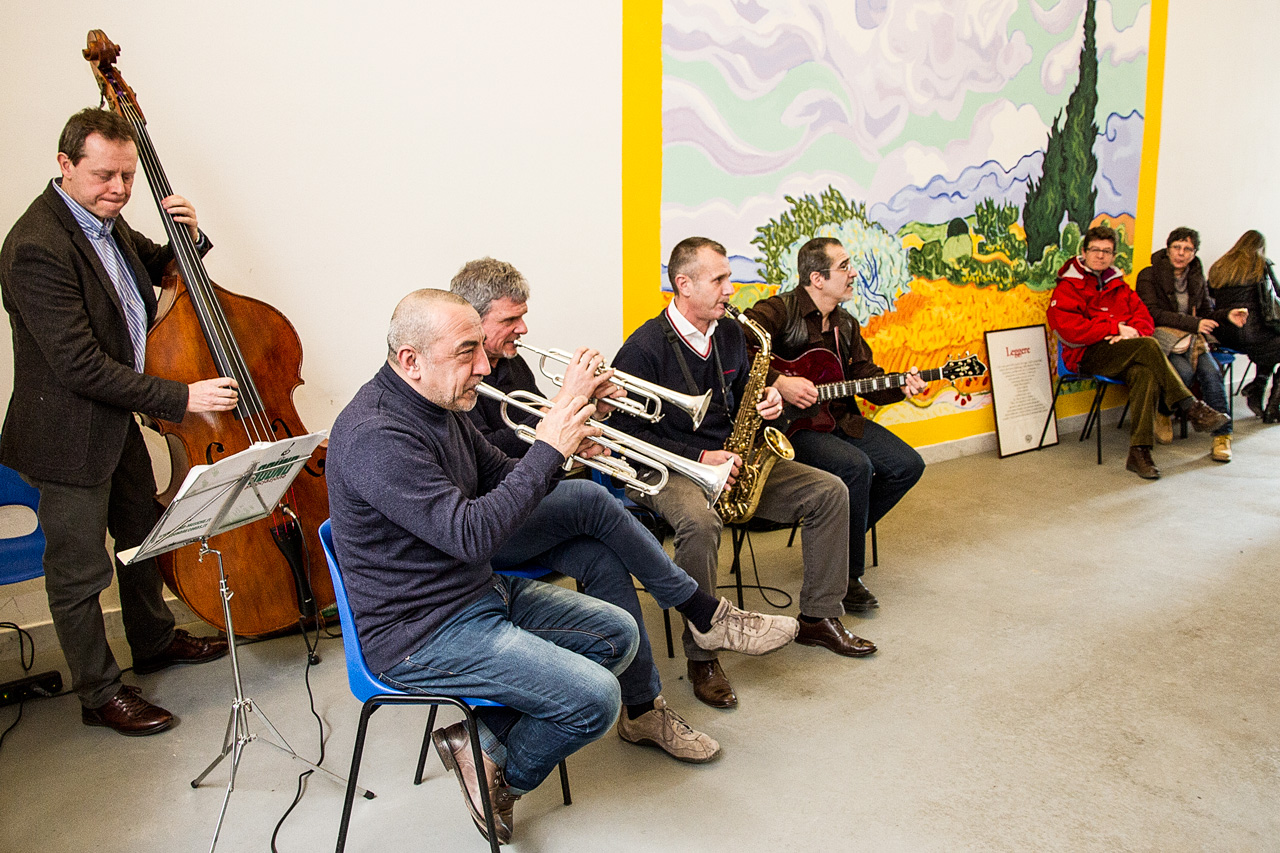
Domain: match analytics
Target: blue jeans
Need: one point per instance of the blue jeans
(547, 653)
(582, 531)
(1207, 374)
(878, 468)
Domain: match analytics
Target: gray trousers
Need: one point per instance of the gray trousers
(793, 491)
(77, 568)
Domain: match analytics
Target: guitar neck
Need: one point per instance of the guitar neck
(859, 387)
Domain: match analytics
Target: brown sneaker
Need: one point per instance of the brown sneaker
(1164, 429)
(744, 631)
(129, 714)
(454, 748)
(667, 730)
(1139, 462)
(1221, 448)
(1205, 419)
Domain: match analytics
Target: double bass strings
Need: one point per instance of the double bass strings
(213, 321)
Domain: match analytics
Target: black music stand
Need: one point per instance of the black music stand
(234, 491)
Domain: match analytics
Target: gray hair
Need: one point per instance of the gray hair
(415, 322)
(482, 281)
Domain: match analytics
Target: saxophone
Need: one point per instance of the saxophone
(738, 503)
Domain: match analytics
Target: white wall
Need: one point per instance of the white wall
(1221, 124)
(342, 154)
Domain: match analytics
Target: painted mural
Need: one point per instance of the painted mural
(957, 148)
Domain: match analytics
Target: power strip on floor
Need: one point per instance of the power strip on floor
(31, 687)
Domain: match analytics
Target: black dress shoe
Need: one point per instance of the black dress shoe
(710, 684)
(1139, 462)
(859, 599)
(129, 714)
(182, 649)
(831, 634)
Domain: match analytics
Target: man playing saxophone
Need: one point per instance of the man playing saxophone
(689, 349)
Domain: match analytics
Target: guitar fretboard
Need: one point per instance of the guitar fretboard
(858, 387)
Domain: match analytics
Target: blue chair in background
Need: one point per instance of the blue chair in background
(1094, 418)
(21, 557)
(374, 694)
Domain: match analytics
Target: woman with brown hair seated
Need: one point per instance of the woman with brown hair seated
(1243, 278)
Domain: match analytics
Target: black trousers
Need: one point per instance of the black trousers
(77, 568)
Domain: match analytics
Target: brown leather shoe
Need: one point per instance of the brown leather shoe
(454, 748)
(1205, 419)
(1139, 462)
(832, 634)
(129, 714)
(710, 685)
(182, 649)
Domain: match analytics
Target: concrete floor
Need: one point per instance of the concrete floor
(1071, 659)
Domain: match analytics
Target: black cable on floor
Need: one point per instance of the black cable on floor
(311, 699)
(27, 665)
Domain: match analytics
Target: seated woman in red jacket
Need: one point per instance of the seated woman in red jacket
(1105, 330)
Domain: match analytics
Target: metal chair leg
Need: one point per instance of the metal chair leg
(426, 744)
(666, 623)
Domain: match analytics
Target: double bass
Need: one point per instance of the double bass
(203, 331)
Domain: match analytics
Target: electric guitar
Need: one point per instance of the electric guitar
(822, 368)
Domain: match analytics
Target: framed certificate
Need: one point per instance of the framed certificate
(1021, 388)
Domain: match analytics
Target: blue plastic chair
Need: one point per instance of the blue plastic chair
(1226, 359)
(21, 557)
(1094, 418)
(375, 693)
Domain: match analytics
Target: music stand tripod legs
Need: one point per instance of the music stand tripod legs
(238, 736)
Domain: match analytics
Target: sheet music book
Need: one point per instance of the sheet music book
(241, 488)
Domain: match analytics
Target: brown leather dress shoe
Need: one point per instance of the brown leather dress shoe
(1205, 419)
(1139, 462)
(182, 649)
(454, 748)
(710, 684)
(832, 634)
(129, 714)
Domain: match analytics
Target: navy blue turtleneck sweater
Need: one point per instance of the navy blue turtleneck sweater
(420, 502)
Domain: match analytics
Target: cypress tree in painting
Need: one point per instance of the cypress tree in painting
(1066, 182)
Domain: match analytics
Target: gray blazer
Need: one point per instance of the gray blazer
(74, 386)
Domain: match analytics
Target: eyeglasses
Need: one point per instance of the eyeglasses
(844, 266)
(1103, 252)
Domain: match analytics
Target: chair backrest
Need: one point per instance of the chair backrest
(21, 557)
(363, 682)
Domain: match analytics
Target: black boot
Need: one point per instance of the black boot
(1254, 391)
(1271, 414)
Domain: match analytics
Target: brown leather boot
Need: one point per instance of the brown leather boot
(1205, 419)
(1139, 462)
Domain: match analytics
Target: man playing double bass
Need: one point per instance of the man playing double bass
(877, 466)
(78, 285)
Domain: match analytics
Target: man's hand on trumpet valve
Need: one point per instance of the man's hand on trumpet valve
(584, 376)
(566, 429)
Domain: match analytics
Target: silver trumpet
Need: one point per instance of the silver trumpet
(650, 397)
(629, 449)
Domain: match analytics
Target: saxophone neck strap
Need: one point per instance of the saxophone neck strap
(677, 346)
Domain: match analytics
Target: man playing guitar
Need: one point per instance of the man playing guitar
(877, 466)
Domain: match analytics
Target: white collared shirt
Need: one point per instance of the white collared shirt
(695, 340)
